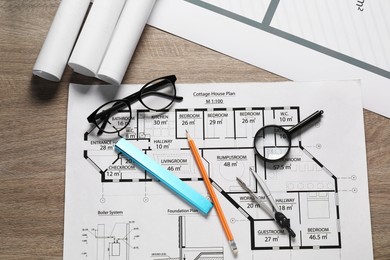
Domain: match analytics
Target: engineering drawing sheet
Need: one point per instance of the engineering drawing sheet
(116, 211)
(303, 40)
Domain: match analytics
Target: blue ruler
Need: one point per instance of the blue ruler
(160, 173)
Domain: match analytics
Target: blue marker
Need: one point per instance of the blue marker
(160, 173)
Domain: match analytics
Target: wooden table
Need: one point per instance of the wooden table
(33, 127)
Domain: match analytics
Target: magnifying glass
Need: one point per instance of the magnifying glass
(273, 142)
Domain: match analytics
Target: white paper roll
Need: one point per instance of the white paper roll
(124, 40)
(95, 36)
(60, 39)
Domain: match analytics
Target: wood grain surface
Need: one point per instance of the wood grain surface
(33, 127)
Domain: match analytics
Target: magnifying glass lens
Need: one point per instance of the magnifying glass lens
(272, 142)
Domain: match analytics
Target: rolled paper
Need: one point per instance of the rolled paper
(60, 39)
(95, 36)
(130, 26)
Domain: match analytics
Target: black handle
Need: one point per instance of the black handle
(306, 121)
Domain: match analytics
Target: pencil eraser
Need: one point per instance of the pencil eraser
(166, 177)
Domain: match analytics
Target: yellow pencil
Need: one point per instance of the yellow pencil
(211, 191)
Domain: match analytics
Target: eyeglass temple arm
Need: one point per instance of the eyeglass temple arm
(131, 98)
(103, 126)
(134, 96)
(306, 121)
(176, 98)
(172, 79)
(105, 113)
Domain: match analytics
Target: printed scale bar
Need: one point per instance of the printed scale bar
(182, 189)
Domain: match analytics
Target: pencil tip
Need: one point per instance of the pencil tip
(187, 134)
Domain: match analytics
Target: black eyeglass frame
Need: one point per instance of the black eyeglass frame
(146, 89)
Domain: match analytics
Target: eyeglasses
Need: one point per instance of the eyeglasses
(156, 95)
(273, 142)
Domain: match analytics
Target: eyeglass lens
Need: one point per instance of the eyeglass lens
(113, 120)
(158, 94)
(115, 115)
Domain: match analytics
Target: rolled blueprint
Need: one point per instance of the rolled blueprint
(124, 40)
(60, 39)
(95, 36)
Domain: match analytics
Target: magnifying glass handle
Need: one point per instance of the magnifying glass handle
(306, 121)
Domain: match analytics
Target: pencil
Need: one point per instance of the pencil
(211, 191)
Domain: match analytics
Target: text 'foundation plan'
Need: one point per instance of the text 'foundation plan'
(115, 211)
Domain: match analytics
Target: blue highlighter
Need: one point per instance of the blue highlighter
(182, 189)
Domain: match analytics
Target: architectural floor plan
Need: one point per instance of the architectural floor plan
(114, 210)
